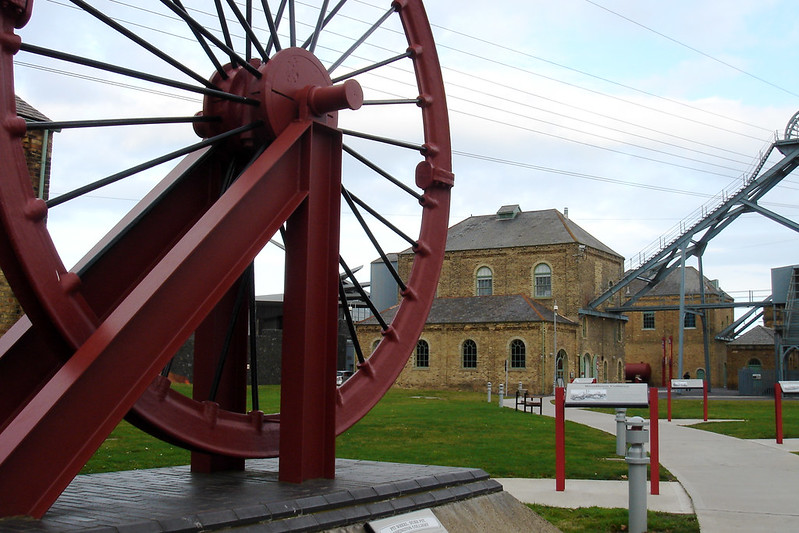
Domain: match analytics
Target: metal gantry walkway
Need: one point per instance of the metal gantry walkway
(693, 238)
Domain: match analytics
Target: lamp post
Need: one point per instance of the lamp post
(555, 375)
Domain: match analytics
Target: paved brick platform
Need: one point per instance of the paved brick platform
(175, 500)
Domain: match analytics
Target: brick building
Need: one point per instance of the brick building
(647, 329)
(503, 277)
(38, 147)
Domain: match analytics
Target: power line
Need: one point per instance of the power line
(700, 52)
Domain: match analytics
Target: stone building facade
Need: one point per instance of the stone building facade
(647, 330)
(38, 145)
(503, 277)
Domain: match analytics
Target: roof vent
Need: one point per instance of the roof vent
(508, 212)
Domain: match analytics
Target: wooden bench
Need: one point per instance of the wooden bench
(526, 400)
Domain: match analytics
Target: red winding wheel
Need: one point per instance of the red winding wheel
(268, 161)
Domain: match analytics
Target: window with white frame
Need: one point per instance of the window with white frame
(518, 354)
(469, 352)
(422, 359)
(485, 281)
(649, 320)
(542, 276)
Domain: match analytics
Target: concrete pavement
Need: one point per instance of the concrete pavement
(734, 484)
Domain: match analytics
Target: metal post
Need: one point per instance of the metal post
(501, 394)
(636, 473)
(621, 431)
(778, 410)
(489, 392)
(560, 440)
(704, 397)
(555, 342)
(654, 443)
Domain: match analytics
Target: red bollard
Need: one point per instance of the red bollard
(704, 394)
(669, 401)
(778, 410)
(560, 440)
(654, 442)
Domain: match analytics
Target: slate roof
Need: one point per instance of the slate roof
(527, 228)
(670, 285)
(25, 110)
(757, 336)
(483, 309)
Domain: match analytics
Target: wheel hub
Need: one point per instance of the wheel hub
(293, 84)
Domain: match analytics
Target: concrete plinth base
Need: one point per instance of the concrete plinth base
(175, 500)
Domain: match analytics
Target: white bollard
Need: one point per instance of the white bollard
(489, 392)
(621, 431)
(637, 460)
(501, 394)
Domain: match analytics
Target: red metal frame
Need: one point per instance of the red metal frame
(174, 271)
(654, 442)
(778, 410)
(560, 439)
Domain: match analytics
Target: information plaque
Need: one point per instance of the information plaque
(607, 395)
(418, 521)
(789, 387)
(687, 383)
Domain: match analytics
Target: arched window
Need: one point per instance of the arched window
(469, 353)
(754, 363)
(422, 354)
(542, 276)
(485, 281)
(518, 354)
(559, 366)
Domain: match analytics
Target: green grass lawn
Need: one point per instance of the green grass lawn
(443, 428)
(753, 418)
(427, 427)
(598, 520)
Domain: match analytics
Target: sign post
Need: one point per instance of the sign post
(603, 395)
(780, 388)
(688, 384)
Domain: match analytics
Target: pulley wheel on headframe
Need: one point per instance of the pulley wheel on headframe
(265, 164)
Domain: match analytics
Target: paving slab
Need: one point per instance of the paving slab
(734, 484)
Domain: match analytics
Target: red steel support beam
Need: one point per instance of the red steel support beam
(310, 317)
(560, 440)
(778, 410)
(654, 442)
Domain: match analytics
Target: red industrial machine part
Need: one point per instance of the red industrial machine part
(94, 343)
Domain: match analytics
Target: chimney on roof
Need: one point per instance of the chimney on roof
(565, 212)
(508, 212)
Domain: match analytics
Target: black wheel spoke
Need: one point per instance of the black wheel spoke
(382, 219)
(382, 172)
(220, 367)
(318, 28)
(141, 42)
(251, 37)
(360, 41)
(363, 294)
(377, 65)
(235, 58)
(292, 24)
(386, 140)
(370, 235)
(108, 67)
(253, 340)
(342, 295)
(315, 36)
(273, 23)
(394, 101)
(220, 14)
(69, 124)
(149, 164)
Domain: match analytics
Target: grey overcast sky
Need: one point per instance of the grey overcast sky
(632, 114)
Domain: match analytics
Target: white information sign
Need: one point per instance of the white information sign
(424, 521)
(687, 383)
(789, 387)
(607, 395)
